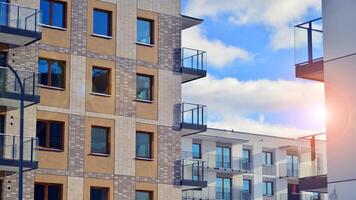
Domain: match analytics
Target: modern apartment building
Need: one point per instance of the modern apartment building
(237, 165)
(329, 57)
(103, 115)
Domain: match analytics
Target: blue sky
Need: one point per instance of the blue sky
(259, 34)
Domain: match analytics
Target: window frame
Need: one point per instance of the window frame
(151, 78)
(48, 134)
(108, 143)
(151, 143)
(110, 23)
(266, 183)
(145, 191)
(51, 14)
(249, 154)
(152, 31)
(107, 190)
(46, 188)
(249, 185)
(193, 153)
(49, 85)
(265, 158)
(222, 156)
(109, 80)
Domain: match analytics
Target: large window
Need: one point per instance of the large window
(144, 31)
(143, 195)
(51, 73)
(144, 87)
(100, 140)
(196, 150)
(223, 157)
(99, 193)
(246, 186)
(292, 165)
(48, 191)
(101, 80)
(143, 145)
(102, 22)
(246, 155)
(267, 158)
(267, 188)
(53, 13)
(50, 134)
(223, 188)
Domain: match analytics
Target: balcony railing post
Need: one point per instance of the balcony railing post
(35, 21)
(198, 122)
(33, 84)
(31, 149)
(18, 17)
(13, 147)
(310, 42)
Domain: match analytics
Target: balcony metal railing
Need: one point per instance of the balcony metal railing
(308, 44)
(192, 170)
(289, 170)
(216, 193)
(302, 196)
(10, 148)
(193, 59)
(20, 17)
(194, 115)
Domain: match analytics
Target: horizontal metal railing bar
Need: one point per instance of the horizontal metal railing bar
(194, 104)
(198, 50)
(5, 134)
(21, 6)
(313, 20)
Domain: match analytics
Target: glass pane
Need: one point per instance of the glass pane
(227, 157)
(56, 133)
(39, 192)
(101, 80)
(196, 151)
(54, 192)
(45, 12)
(144, 31)
(57, 74)
(41, 133)
(246, 185)
(99, 140)
(101, 22)
(246, 155)
(98, 193)
(264, 188)
(43, 71)
(143, 145)
(143, 195)
(58, 14)
(219, 155)
(143, 90)
(269, 188)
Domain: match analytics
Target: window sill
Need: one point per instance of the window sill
(100, 94)
(53, 27)
(51, 87)
(145, 44)
(100, 154)
(49, 149)
(101, 36)
(144, 159)
(144, 101)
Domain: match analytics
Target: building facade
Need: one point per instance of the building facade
(103, 116)
(249, 166)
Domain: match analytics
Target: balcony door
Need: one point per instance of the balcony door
(292, 165)
(223, 188)
(223, 157)
(293, 192)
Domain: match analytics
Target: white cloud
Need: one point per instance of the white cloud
(218, 53)
(232, 101)
(278, 16)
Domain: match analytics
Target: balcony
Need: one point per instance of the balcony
(193, 118)
(288, 170)
(302, 196)
(10, 91)
(9, 153)
(192, 174)
(308, 48)
(269, 170)
(216, 193)
(19, 26)
(192, 64)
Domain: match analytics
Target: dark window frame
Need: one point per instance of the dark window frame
(108, 142)
(145, 191)
(48, 133)
(272, 188)
(46, 188)
(63, 65)
(193, 153)
(223, 162)
(107, 190)
(110, 22)
(51, 14)
(109, 80)
(265, 158)
(151, 78)
(151, 143)
(249, 185)
(152, 30)
(249, 154)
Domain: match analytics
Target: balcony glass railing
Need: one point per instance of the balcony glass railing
(192, 170)
(10, 148)
(194, 114)
(308, 44)
(216, 193)
(193, 59)
(288, 170)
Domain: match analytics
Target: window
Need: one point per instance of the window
(50, 134)
(143, 195)
(223, 188)
(51, 73)
(102, 22)
(99, 193)
(101, 80)
(292, 165)
(100, 140)
(246, 155)
(143, 145)
(144, 87)
(53, 13)
(197, 150)
(48, 191)
(246, 186)
(223, 157)
(267, 158)
(4, 16)
(267, 188)
(144, 31)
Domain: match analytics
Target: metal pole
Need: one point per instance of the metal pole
(21, 142)
(310, 43)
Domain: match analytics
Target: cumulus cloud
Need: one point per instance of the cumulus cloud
(222, 53)
(278, 16)
(230, 102)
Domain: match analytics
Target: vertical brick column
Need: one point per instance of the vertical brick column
(79, 27)
(76, 145)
